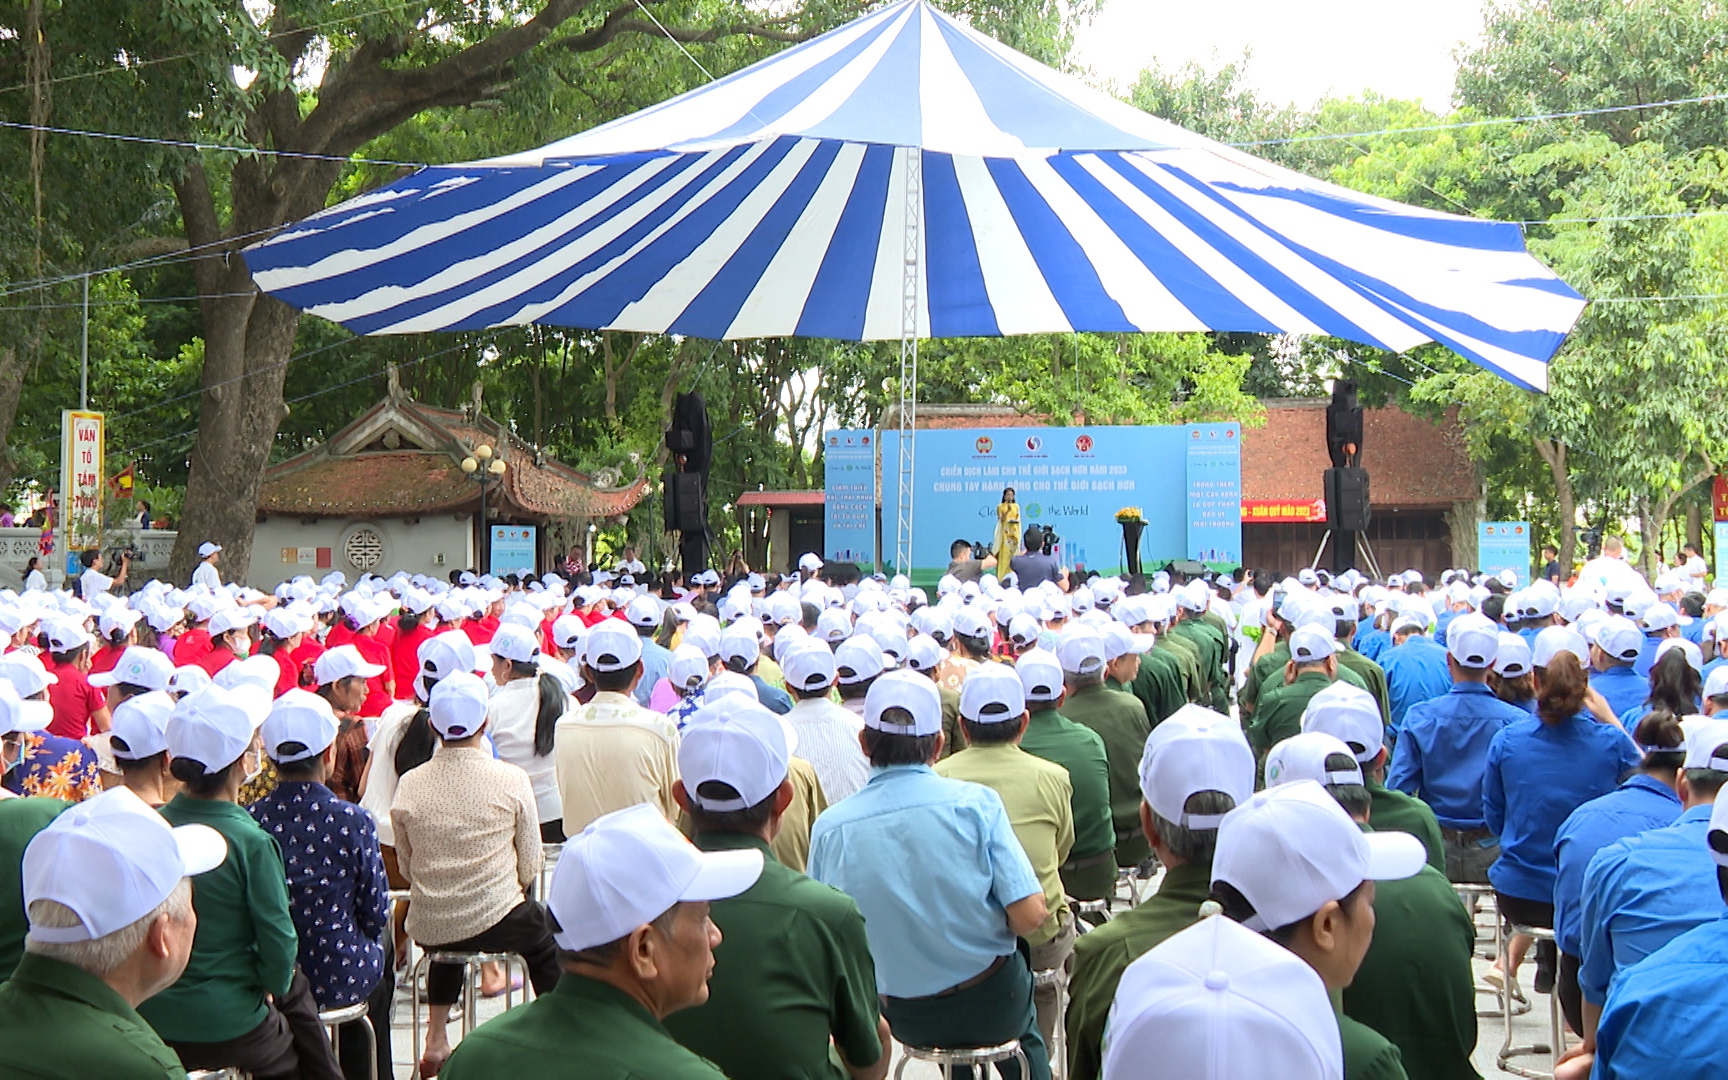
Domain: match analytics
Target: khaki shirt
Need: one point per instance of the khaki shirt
(612, 753)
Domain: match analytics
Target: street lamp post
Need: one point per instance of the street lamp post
(484, 466)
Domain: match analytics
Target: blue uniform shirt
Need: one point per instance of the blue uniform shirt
(1371, 641)
(1441, 622)
(1712, 665)
(1442, 753)
(656, 662)
(1663, 1015)
(1641, 803)
(1693, 630)
(1646, 656)
(1415, 672)
(1537, 775)
(1621, 686)
(932, 863)
(1642, 892)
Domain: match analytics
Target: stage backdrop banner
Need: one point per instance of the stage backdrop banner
(1504, 545)
(1186, 482)
(849, 506)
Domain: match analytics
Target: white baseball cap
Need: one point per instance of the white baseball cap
(728, 683)
(611, 645)
(568, 632)
(1554, 640)
(809, 667)
(1081, 652)
(909, 691)
(139, 728)
(1290, 849)
(1023, 630)
(1620, 638)
(1040, 675)
(809, 561)
(207, 549)
(188, 679)
(112, 860)
(1717, 836)
(117, 617)
(833, 625)
(27, 674)
(65, 636)
(992, 694)
(1473, 641)
(740, 744)
(518, 644)
(688, 668)
(924, 653)
(139, 665)
(1707, 746)
(344, 662)
(214, 726)
(1217, 1001)
(1303, 757)
(1511, 657)
(739, 643)
(859, 658)
(631, 866)
(18, 715)
(299, 717)
(1349, 713)
(1716, 683)
(457, 705)
(231, 618)
(285, 622)
(644, 611)
(1661, 617)
(971, 622)
(260, 671)
(1194, 750)
(1311, 644)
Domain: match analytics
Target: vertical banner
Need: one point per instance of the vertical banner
(1215, 494)
(1504, 545)
(81, 453)
(513, 549)
(849, 500)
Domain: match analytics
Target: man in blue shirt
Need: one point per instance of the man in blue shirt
(1616, 648)
(1660, 1016)
(1443, 753)
(944, 885)
(1644, 891)
(1415, 668)
(1661, 622)
(643, 613)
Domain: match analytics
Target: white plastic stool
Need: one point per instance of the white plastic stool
(949, 1060)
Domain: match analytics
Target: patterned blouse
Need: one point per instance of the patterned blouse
(337, 892)
(56, 767)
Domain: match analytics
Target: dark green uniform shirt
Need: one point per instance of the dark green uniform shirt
(60, 1023)
(1414, 986)
(793, 969)
(1368, 1055)
(953, 735)
(1120, 721)
(1188, 659)
(1373, 677)
(1100, 958)
(1159, 686)
(1212, 646)
(246, 944)
(1279, 714)
(1077, 748)
(20, 821)
(1394, 811)
(583, 1030)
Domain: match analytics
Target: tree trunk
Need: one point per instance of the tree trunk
(1565, 500)
(1650, 524)
(13, 363)
(1695, 525)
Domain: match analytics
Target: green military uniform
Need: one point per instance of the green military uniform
(1090, 872)
(1279, 715)
(20, 821)
(1101, 957)
(1394, 811)
(1414, 986)
(1249, 699)
(1368, 1055)
(1187, 656)
(953, 738)
(1373, 678)
(58, 1022)
(1159, 685)
(1213, 648)
(792, 971)
(1120, 720)
(245, 946)
(583, 1030)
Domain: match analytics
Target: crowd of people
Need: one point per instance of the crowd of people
(797, 817)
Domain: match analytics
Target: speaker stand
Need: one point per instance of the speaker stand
(1368, 559)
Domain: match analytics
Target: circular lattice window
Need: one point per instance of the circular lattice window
(363, 548)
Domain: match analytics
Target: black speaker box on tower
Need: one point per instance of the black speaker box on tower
(687, 509)
(1347, 506)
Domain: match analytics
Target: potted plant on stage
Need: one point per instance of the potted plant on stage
(1133, 524)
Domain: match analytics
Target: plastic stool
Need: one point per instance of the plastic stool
(1059, 1037)
(948, 1060)
(1557, 1044)
(549, 854)
(1099, 909)
(470, 963)
(215, 1074)
(356, 1013)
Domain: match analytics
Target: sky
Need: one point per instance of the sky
(1299, 50)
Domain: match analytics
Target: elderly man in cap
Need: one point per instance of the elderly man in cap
(942, 915)
(1195, 769)
(793, 975)
(1118, 719)
(109, 897)
(1352, 716)
(827, 734)
(1036, 795)
(1442, 754)
(1293, 866)
(612, 753)
(243, 1003)
(1090, 871)
(630, 898)
(1415, 983)
(337, 892)
(1312, 667)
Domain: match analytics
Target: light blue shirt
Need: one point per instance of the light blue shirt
(1663, 1015)
(1642, 892)
(1370, 641)
(1442, 753)
(1416, 671)
(933, 864)
(1641, 803)
(656, 662)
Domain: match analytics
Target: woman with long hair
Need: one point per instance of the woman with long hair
(1675, 685)
(522, 714)
(1006, 544)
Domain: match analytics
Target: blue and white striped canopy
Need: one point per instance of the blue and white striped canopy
(773, 202)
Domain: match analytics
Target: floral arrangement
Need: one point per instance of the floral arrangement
(1130, 514)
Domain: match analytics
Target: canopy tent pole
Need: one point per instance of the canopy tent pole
(908, 358)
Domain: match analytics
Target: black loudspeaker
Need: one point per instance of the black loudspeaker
(686, 506)
(1347, 508)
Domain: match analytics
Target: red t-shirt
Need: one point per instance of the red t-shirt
(216, 659)
(306, 656)
(105, 659)
(405, 657)
(191, 646)
(289, 679)
(478, 632)
(338, 635)
(74, 701)
(378, 687)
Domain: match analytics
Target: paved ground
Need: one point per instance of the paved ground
(1527, 1029)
